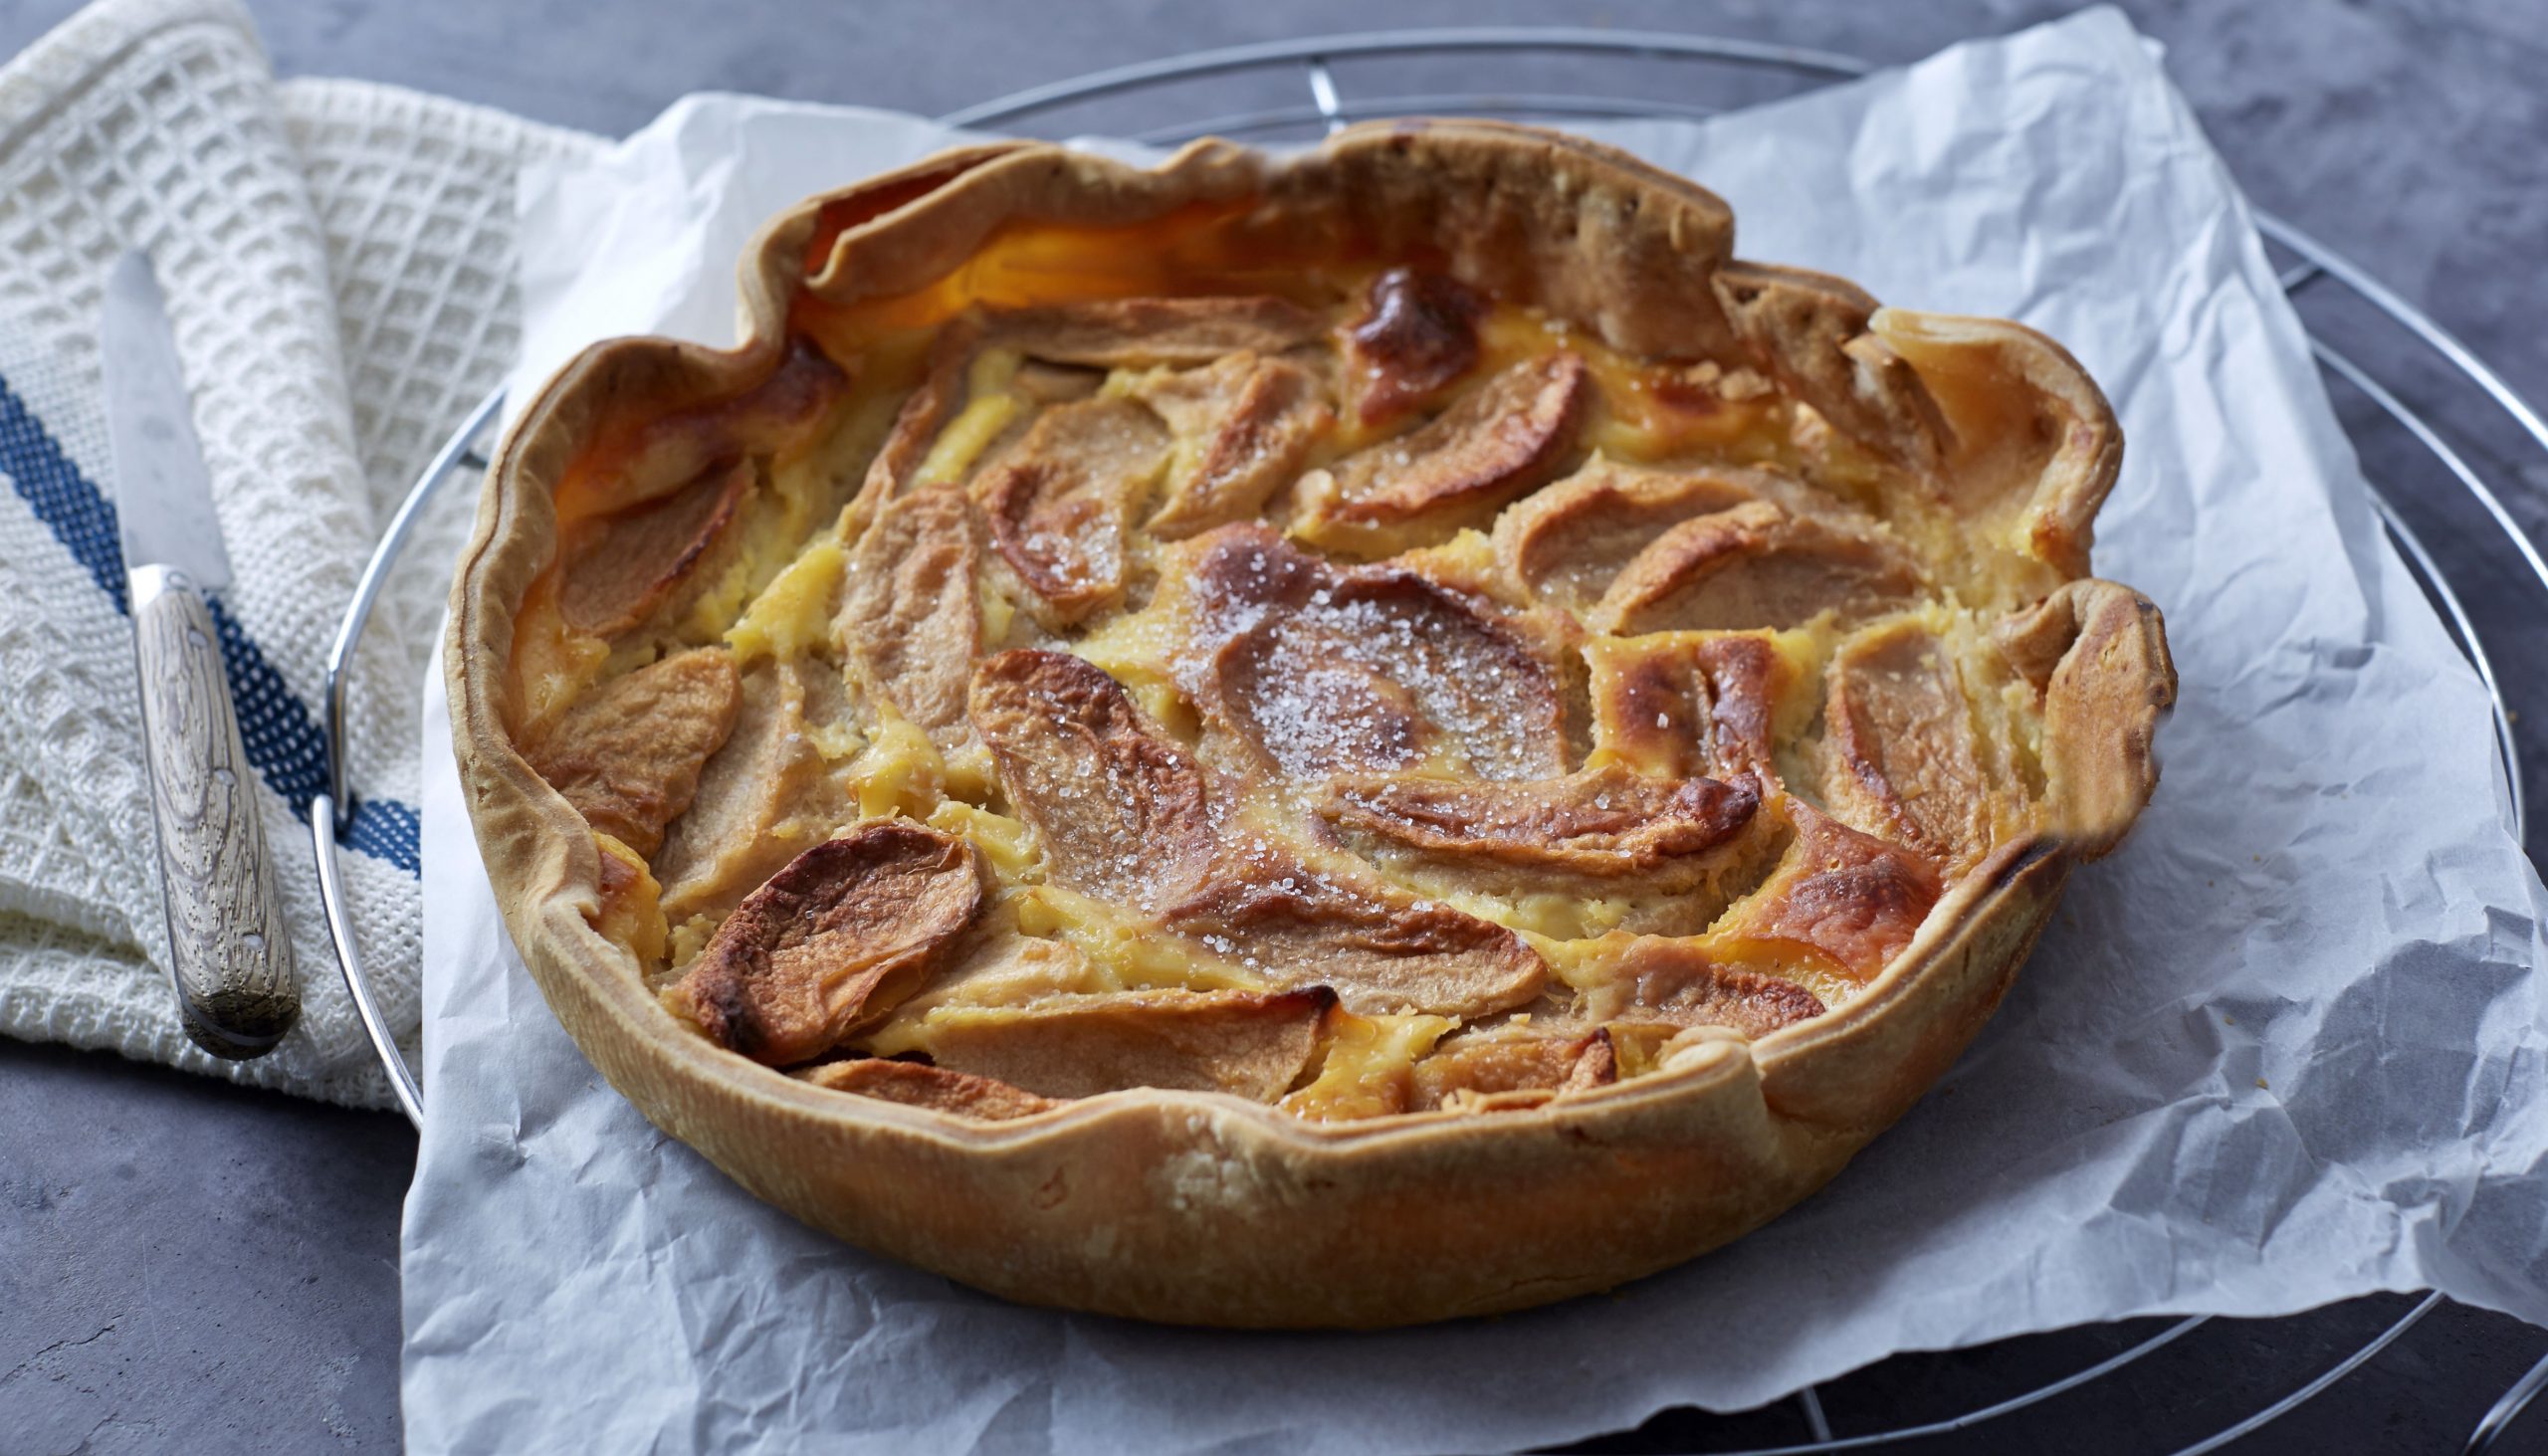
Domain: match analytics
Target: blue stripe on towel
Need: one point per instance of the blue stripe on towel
(281, 738)
(81, 518)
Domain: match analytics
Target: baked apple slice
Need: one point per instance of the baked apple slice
(628, 755)
(1249, 1044)
(1502, 1072)
(1128, 818)
(1566, 545)
(1849, 896)
(1599, 822)
(846, 929)
(1245, 426)
(1754, 565)
(1900, 735)
(918, 1083)
(1508, 435)
(1313, 670)
(910, 621)
(1060, 500)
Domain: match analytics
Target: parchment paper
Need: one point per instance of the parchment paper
(2284, 1047)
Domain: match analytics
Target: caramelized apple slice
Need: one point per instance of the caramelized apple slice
(1119, 808)
(1850, 895)
(1684, 703)
(765, 795)
(1060, 500)
(2098, 655)
(1314, 706)
(1097, 336)
(1382, 949)
(1417, 334)
(628, 755)
(1318, 671)
(838, 934)
(1900, 738)
(1754, 565)
(682, 484)
(676, 449)
(1599, 821)
(910, 621)
(1498, 1072)
(1564, 544)
(1745, 678)
(1125, 817)
(917, 1084)
(1245, 424)
(1120, 333)
(621, 568)
(1664, 980)
(1502, 438)
(1249, 1044)
(1811, 331)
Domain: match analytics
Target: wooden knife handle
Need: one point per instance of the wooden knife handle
(226, 939)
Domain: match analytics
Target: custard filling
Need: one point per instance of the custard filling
(1327, 685)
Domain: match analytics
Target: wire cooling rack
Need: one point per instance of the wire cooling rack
(2430, 483)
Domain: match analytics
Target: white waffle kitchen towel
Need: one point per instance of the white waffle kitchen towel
(338, 260)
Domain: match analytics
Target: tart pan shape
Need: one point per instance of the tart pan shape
(1753, 704)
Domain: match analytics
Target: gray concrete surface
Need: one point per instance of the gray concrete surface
(187, 1266)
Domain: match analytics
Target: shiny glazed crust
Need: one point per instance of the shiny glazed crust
(1203, 1208)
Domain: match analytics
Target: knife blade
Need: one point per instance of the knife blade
(230, 958)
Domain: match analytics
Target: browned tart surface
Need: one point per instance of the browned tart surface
(1315, 663)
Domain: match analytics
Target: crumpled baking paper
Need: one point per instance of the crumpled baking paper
(2283, 1047)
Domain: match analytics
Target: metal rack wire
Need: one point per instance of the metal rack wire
(1328, 107)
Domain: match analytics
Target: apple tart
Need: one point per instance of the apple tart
(1334, 741)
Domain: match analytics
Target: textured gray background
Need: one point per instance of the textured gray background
(186, 1265)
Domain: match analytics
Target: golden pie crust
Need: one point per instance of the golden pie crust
(1337, 740)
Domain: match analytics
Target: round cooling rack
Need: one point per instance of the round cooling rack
(2435, 489)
